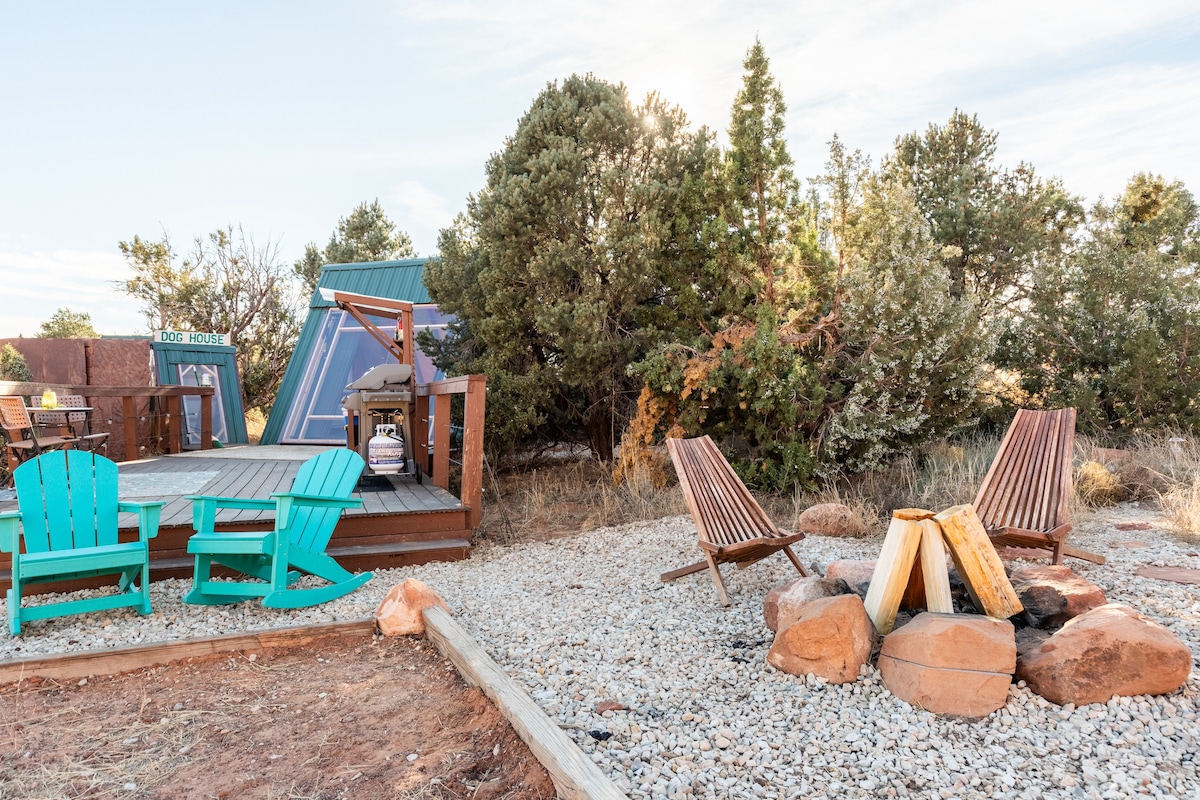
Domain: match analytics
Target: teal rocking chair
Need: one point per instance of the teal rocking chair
(68, 516)
(304, 520)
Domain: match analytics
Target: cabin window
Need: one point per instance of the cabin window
(342, 352)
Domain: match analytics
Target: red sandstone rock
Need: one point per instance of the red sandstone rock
(1110, 650)
(856, 574)
(955, 641)
(947, 692)
(830, 638)
(783, 602)
(956, 665)
(1132, 526)
(1052, 595)
(400, 612)
(827, 519)
(1173, 574)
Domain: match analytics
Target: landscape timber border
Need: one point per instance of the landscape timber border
(575, 777)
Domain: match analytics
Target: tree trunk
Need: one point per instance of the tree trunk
(598, 426)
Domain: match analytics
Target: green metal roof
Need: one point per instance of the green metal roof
(397, 280)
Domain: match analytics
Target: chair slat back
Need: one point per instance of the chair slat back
(331, 474)
(724, 510)
(13, 416)
(68, 500)
(1028, 486)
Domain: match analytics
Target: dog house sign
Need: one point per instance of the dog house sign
(191, 337)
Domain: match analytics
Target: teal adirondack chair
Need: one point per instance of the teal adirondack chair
(68, 514)
(304, 520)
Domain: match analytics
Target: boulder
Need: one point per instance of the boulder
(827, 519)
(856, 574)
(1052, 595)
(783, 602)
(1110, 650)
(957, 665)
(400, 612)
(830, 638)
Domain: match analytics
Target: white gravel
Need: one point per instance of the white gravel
(583, 620)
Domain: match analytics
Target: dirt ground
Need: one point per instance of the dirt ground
(339, 718)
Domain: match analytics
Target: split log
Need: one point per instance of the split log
(933, 568)
(894, 567)
(978, 564)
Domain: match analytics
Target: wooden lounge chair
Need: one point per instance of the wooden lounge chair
(22, 436)
(71, 423)
(732, 527)
(1024, 500)
(304, 520)
(68, 515)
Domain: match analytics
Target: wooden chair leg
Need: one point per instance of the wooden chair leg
(717, 579)
(690, 569)
(795, 561)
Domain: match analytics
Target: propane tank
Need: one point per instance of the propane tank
(385, 451)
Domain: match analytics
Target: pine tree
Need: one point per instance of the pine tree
(365, 235)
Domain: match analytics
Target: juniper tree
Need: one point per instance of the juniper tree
(994, 226)
(1113, 330)
(585, 249)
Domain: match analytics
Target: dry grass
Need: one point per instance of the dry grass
(570, 496)
(573, 495)
(256, 423)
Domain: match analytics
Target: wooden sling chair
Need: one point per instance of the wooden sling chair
(731, 525)
(271, 561)
(1024, 499)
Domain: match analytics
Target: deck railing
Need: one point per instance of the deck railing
(474, 391)
(148, 420)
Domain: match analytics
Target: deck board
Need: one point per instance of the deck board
(408, 523)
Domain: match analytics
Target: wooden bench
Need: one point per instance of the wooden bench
(731, 525)
(1024, 500)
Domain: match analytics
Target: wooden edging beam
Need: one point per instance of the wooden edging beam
(574, 775)
(123, 659)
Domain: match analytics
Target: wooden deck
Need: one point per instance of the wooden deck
(400, 523)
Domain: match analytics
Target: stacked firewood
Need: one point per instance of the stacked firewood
(912, 566)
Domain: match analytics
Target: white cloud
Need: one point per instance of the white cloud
(39, 283)
(870, 70)
(421, 212)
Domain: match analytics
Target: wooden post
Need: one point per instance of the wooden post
(174, 423)
(472, 457)
(441, 441)
(206, 409)
(980, 568)
(894, 567)
(129, 409)
(420, 442)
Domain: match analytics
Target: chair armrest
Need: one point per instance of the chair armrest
(8, 531)
(318, 501)
(148, 512)
(204, 509)
(231, 502)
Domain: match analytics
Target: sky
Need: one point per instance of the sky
(152, 118)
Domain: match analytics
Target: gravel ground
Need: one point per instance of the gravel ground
(585, 620)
